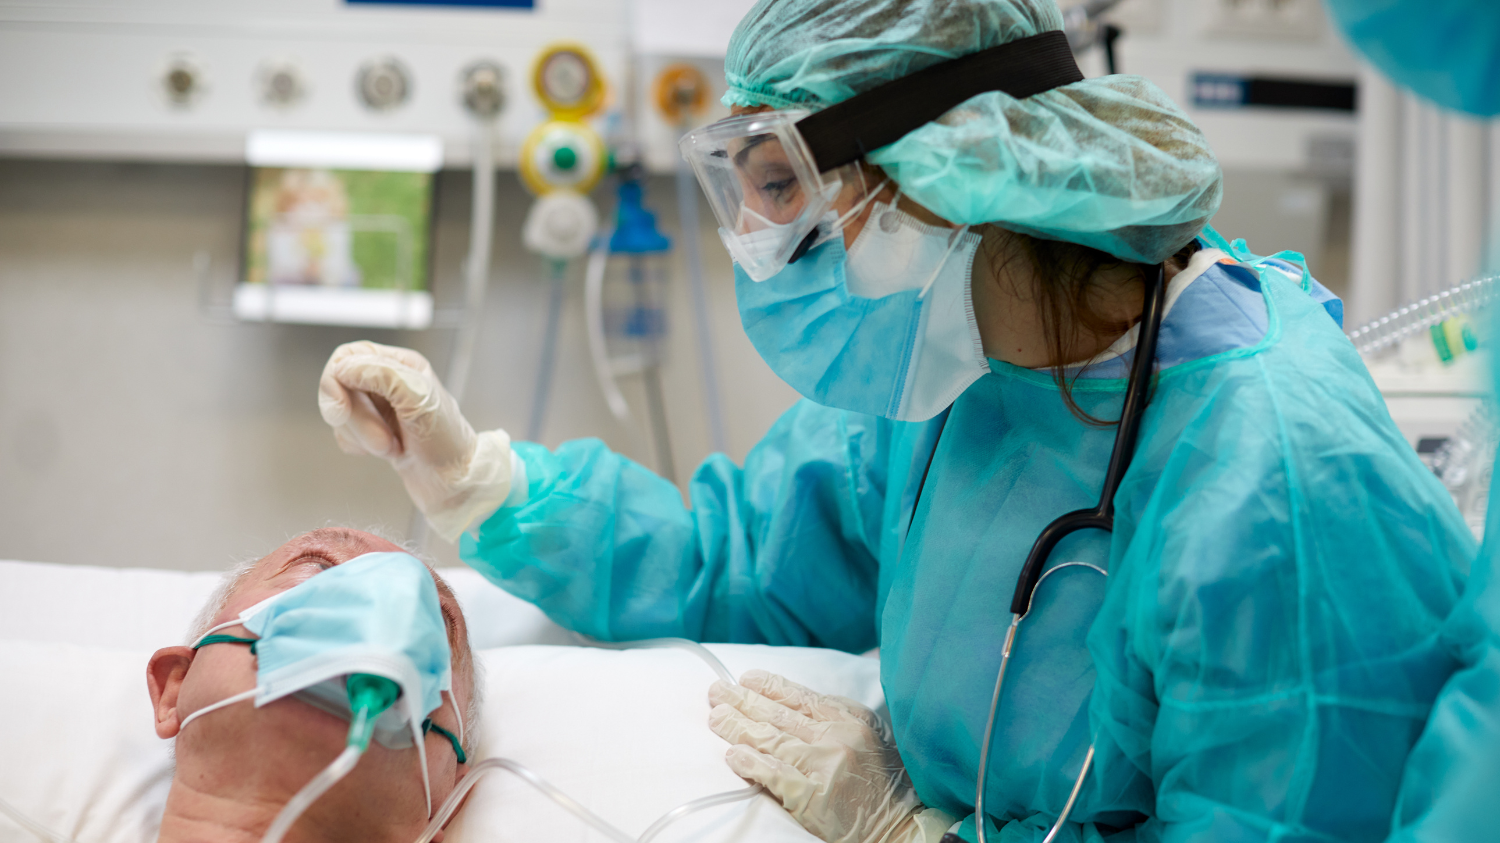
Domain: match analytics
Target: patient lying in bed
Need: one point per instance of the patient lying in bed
(236, 767)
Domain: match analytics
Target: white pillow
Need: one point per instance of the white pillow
(623, 732)
(144, 608)
(78, 749)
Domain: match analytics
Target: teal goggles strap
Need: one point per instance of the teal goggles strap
(429, 726)
(227, 639)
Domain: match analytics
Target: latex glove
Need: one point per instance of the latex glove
(388, 402)
(829, 761)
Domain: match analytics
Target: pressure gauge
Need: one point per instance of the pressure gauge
(567, 81)
(562, 154)
(681, 93)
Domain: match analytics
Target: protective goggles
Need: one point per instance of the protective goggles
(781, 182)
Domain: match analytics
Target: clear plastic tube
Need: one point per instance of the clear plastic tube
(693, 647)
(310, 793)
(563, 800)
(568, 803)
(571, 805)
(42, 832)
(695, 806)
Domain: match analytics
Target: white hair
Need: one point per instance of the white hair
(241, 570)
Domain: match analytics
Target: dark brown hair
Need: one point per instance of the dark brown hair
(1067, 278)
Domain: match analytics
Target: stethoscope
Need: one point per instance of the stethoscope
(1101, 517)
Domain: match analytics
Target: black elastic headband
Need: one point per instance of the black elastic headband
(846, 132)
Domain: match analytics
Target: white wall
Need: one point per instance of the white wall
(135, 430)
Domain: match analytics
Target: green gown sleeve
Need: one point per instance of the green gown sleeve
(781, 551)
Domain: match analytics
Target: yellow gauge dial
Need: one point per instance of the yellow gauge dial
(567, 81)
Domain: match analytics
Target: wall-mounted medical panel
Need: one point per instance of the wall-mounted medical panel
(169, 80)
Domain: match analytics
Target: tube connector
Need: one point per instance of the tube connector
(369, 697)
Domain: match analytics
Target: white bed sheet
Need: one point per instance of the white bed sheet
(623, 732)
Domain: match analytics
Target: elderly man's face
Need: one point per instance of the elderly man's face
(243, 755)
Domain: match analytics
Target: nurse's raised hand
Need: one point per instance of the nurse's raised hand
(829, 761)
(388, 402)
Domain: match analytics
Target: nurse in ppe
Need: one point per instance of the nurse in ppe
(1039, 388)
(1448, 52)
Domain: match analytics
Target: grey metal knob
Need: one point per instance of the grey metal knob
(383, 84)
(484, 89)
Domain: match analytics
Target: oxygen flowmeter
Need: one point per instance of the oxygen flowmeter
(563, 158)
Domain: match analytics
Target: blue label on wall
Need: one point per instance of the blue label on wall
(480, 4)
(1218, 90)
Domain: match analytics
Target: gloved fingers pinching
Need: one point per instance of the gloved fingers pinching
(410, 391)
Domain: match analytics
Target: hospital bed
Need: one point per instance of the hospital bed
(622, 732)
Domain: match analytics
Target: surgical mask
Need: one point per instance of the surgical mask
(886, 328)
(376, 615)
(758, 247)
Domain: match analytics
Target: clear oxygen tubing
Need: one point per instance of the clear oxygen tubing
(563, 800)
(478, 771)
(693, 647)
(542, 391)
(310, 793)
(989, 723)
(40, 831)
(1380, 334)
(687, 214)
(571, 805)
(367, 707)
(696, 805)
(476, 280)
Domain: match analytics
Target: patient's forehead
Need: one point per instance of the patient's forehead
(310, 553)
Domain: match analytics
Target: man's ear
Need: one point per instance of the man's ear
(164, 675)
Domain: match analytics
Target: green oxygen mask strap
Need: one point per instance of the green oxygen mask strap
(458, 750)
(226, 639)
(369, 697)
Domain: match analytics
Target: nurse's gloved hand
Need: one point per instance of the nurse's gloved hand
(828, 760)
(388, 402)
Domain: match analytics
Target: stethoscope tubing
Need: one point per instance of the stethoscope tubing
(1101, 517)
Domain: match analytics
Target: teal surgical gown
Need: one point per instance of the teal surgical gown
(1257, 664)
